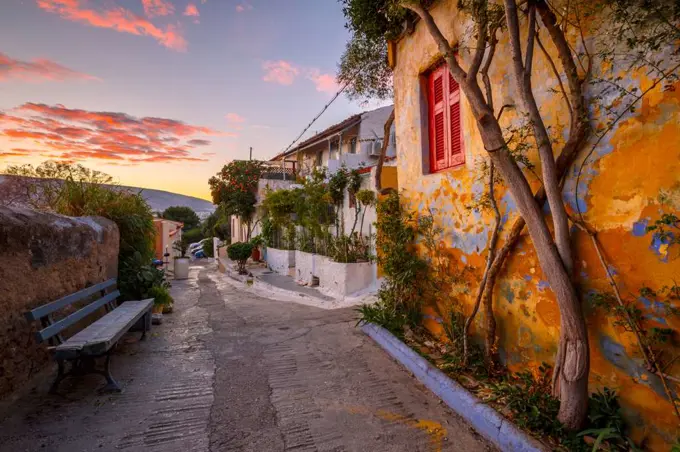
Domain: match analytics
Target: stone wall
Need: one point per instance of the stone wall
(44, 257)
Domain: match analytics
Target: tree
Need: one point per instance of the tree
(364, 65)
(184, 215)
(75, 190)
(554, 254)
(234, 188)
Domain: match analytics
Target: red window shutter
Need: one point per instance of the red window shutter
(438, 124)
(457, 153)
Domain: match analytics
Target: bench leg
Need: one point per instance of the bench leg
(147, 324)
(111, 384)
(60, 376)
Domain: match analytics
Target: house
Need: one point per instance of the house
(168, 232)
(354, 143)
(619, 188)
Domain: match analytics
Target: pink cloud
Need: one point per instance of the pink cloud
(235, 118)
(118, 19)
(75, 134)
(38, 70)
(191, 10)
(324, 82)
(281, 72)
(153, 8)
(242, 7)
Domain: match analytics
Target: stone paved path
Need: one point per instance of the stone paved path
(231, 371)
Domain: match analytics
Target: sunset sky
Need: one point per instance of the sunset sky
(162, 93)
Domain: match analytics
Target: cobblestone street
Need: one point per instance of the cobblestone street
(233, 371)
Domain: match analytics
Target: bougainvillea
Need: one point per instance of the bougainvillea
(235, 188)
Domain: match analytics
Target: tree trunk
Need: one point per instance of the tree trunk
(383, 152)
(483, 283)
(573, 361)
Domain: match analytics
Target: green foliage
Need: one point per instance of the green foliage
(348, 249)
(182, 214)
(181, 246)
(193, 235)
(606, 423)
(136, 278)
(161, 296)
(337, 184)
(208, 249)
(235, 187)
(240, 252)
(530, 399)
(257, 241)
(74, 190)
(363, 68)
(365, 197)
(217, 224)
(401, 295)
(388, 316)
(666, 229)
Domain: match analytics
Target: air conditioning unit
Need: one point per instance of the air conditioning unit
(376, 147)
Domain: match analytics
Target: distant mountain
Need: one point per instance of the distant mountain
(158, 200)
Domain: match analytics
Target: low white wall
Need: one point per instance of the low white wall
(344, 279)
(280, 261)
(340, 279)
(304, 266)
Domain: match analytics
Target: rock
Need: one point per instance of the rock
(44, 257)
(157, 318)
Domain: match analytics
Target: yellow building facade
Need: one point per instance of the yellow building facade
(618, 193)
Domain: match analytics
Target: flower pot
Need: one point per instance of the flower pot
(182, 268)
(255, 255)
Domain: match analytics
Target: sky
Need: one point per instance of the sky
(162, 93)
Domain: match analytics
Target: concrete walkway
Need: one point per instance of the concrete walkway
(232, 371)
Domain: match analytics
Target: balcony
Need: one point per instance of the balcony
(285, 170)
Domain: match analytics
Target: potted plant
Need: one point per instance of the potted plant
(162, 302)
(240, 252)
(257, 242)
(181, 261)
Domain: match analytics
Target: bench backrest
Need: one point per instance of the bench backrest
(52, 328)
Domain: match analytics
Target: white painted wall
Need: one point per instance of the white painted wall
(281, 261)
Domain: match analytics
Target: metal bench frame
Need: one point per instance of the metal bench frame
(51, 332)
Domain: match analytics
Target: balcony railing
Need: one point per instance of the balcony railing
(282, 170)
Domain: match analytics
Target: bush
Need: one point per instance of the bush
(184, 215)
(161, 296)
(240, 252)
(208, 249)
(193, 235)
(137, 279)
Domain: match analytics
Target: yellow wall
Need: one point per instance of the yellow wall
(618, 192)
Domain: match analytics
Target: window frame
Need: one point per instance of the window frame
(448, 100)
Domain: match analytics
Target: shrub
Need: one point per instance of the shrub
(240, 252)
(184, 215)
(161, 296)
(75, 190)
(208, 249)
(193, 235)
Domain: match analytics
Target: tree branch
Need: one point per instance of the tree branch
(480, 50)
(557, 76)
(444, 47)
(529, 57)
(387, 132)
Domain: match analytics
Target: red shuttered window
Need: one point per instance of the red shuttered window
(446, 139)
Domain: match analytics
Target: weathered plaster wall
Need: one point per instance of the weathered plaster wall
(618, 194)
(44, 257)
(281, 261)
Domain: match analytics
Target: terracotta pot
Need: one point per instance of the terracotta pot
(255, 255)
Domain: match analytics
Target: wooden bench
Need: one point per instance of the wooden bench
(96, 340)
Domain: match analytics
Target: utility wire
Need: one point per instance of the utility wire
(323, 110)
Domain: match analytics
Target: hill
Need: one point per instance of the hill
(158, 200)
